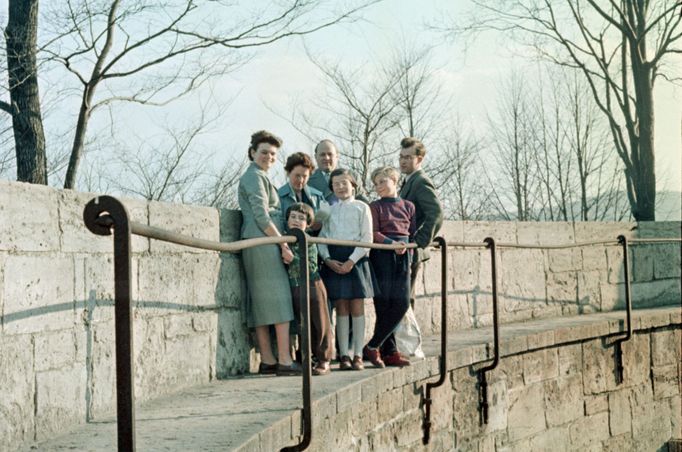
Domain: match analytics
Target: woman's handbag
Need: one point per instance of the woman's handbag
(408, 336)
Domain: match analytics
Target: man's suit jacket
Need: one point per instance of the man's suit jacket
(319, 182)
(420, 190)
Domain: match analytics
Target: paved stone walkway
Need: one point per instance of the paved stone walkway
(226, 414)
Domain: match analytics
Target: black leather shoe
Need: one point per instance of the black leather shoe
(267, 369)
(288, 371)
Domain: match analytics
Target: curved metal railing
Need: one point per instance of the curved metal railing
(105, 214)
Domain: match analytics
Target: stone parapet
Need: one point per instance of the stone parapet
(562, 395)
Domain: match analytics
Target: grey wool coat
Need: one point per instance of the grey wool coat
(269, 295)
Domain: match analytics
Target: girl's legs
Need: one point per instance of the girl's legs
(357, 311)
(263, 339)
(342, 326)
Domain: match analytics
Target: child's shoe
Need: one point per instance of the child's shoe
(345, 363)
(396, 360)
(374, 356)
(357, 363)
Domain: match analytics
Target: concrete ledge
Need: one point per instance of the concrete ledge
(353, 409)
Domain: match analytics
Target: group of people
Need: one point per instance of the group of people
(325, 202)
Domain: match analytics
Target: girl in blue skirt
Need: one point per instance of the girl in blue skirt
(346, 272)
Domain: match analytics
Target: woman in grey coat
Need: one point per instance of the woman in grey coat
(269, 296)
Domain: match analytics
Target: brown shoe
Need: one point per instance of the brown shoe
(357, 363)
(373, 356)
(345, 363)
(267, 369)
(322, 368)
(396, 360)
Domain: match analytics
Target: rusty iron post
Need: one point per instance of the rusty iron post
(101, 216)
(618, 350)
(482, 379)
(443, 359)
(304, 303)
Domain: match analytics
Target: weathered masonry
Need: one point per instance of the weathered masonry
(56, 345)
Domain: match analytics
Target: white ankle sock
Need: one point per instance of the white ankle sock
(342, 327)
(358, 334)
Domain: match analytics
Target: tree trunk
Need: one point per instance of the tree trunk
(27, 122)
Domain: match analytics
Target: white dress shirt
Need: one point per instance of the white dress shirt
(348, 220)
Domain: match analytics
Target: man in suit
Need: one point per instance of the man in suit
(327, 158)
(418, 188)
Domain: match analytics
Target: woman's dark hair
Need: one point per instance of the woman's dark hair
(263, 136)
(299, 159)
(342, 172)
(303, 208)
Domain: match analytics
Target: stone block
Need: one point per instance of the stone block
(563, 399)
(497, 406)
(666, 347)
(60, 400)
(465, 265)
(541, 233)
(676, 418)
(656, 293)
(391, 405)
(570, 359)
(465, 421)
(232, 348)
(612, 296)
(540, 365)
(167, 285)
(522, 286)
(596, 404)
(587, 433)
(102, 380)
(408, 429)
(614, 259)
(511, 370)
(193, 221)
(541, 339)
(453, 231)
(658, 229)
(29, 217)
(554, 439)
(28, 279)
(564, 260)
(562, 288)
(75, 236)
(589, 291)
(620, 419)
(205, 271)
(513, 345)
(230, 224)
(351, 395)
(598, 367)
(619, 443)
(647, 416)
(636, 359)
(98, 287)
(603, 230)
(594, 258)
(526, 411)
(17, 402)
(54, 350)
(277, 435)
(501, 231)
(642, 262)
(230, 287)
(666, 381)
(364, 417)
(667, 260)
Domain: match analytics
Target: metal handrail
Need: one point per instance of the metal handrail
(105, 214)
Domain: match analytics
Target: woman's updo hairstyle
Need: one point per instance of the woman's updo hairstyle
(263, 136)
(299, 159)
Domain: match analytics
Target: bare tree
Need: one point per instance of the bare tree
(24, 105)
(620, 47)
(152, 52)
(513, 142)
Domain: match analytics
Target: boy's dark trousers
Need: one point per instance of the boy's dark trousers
(392, 272)
(321, 342)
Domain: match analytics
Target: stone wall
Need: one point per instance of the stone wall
(56, 298)
(542, 283)
(558, 393)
